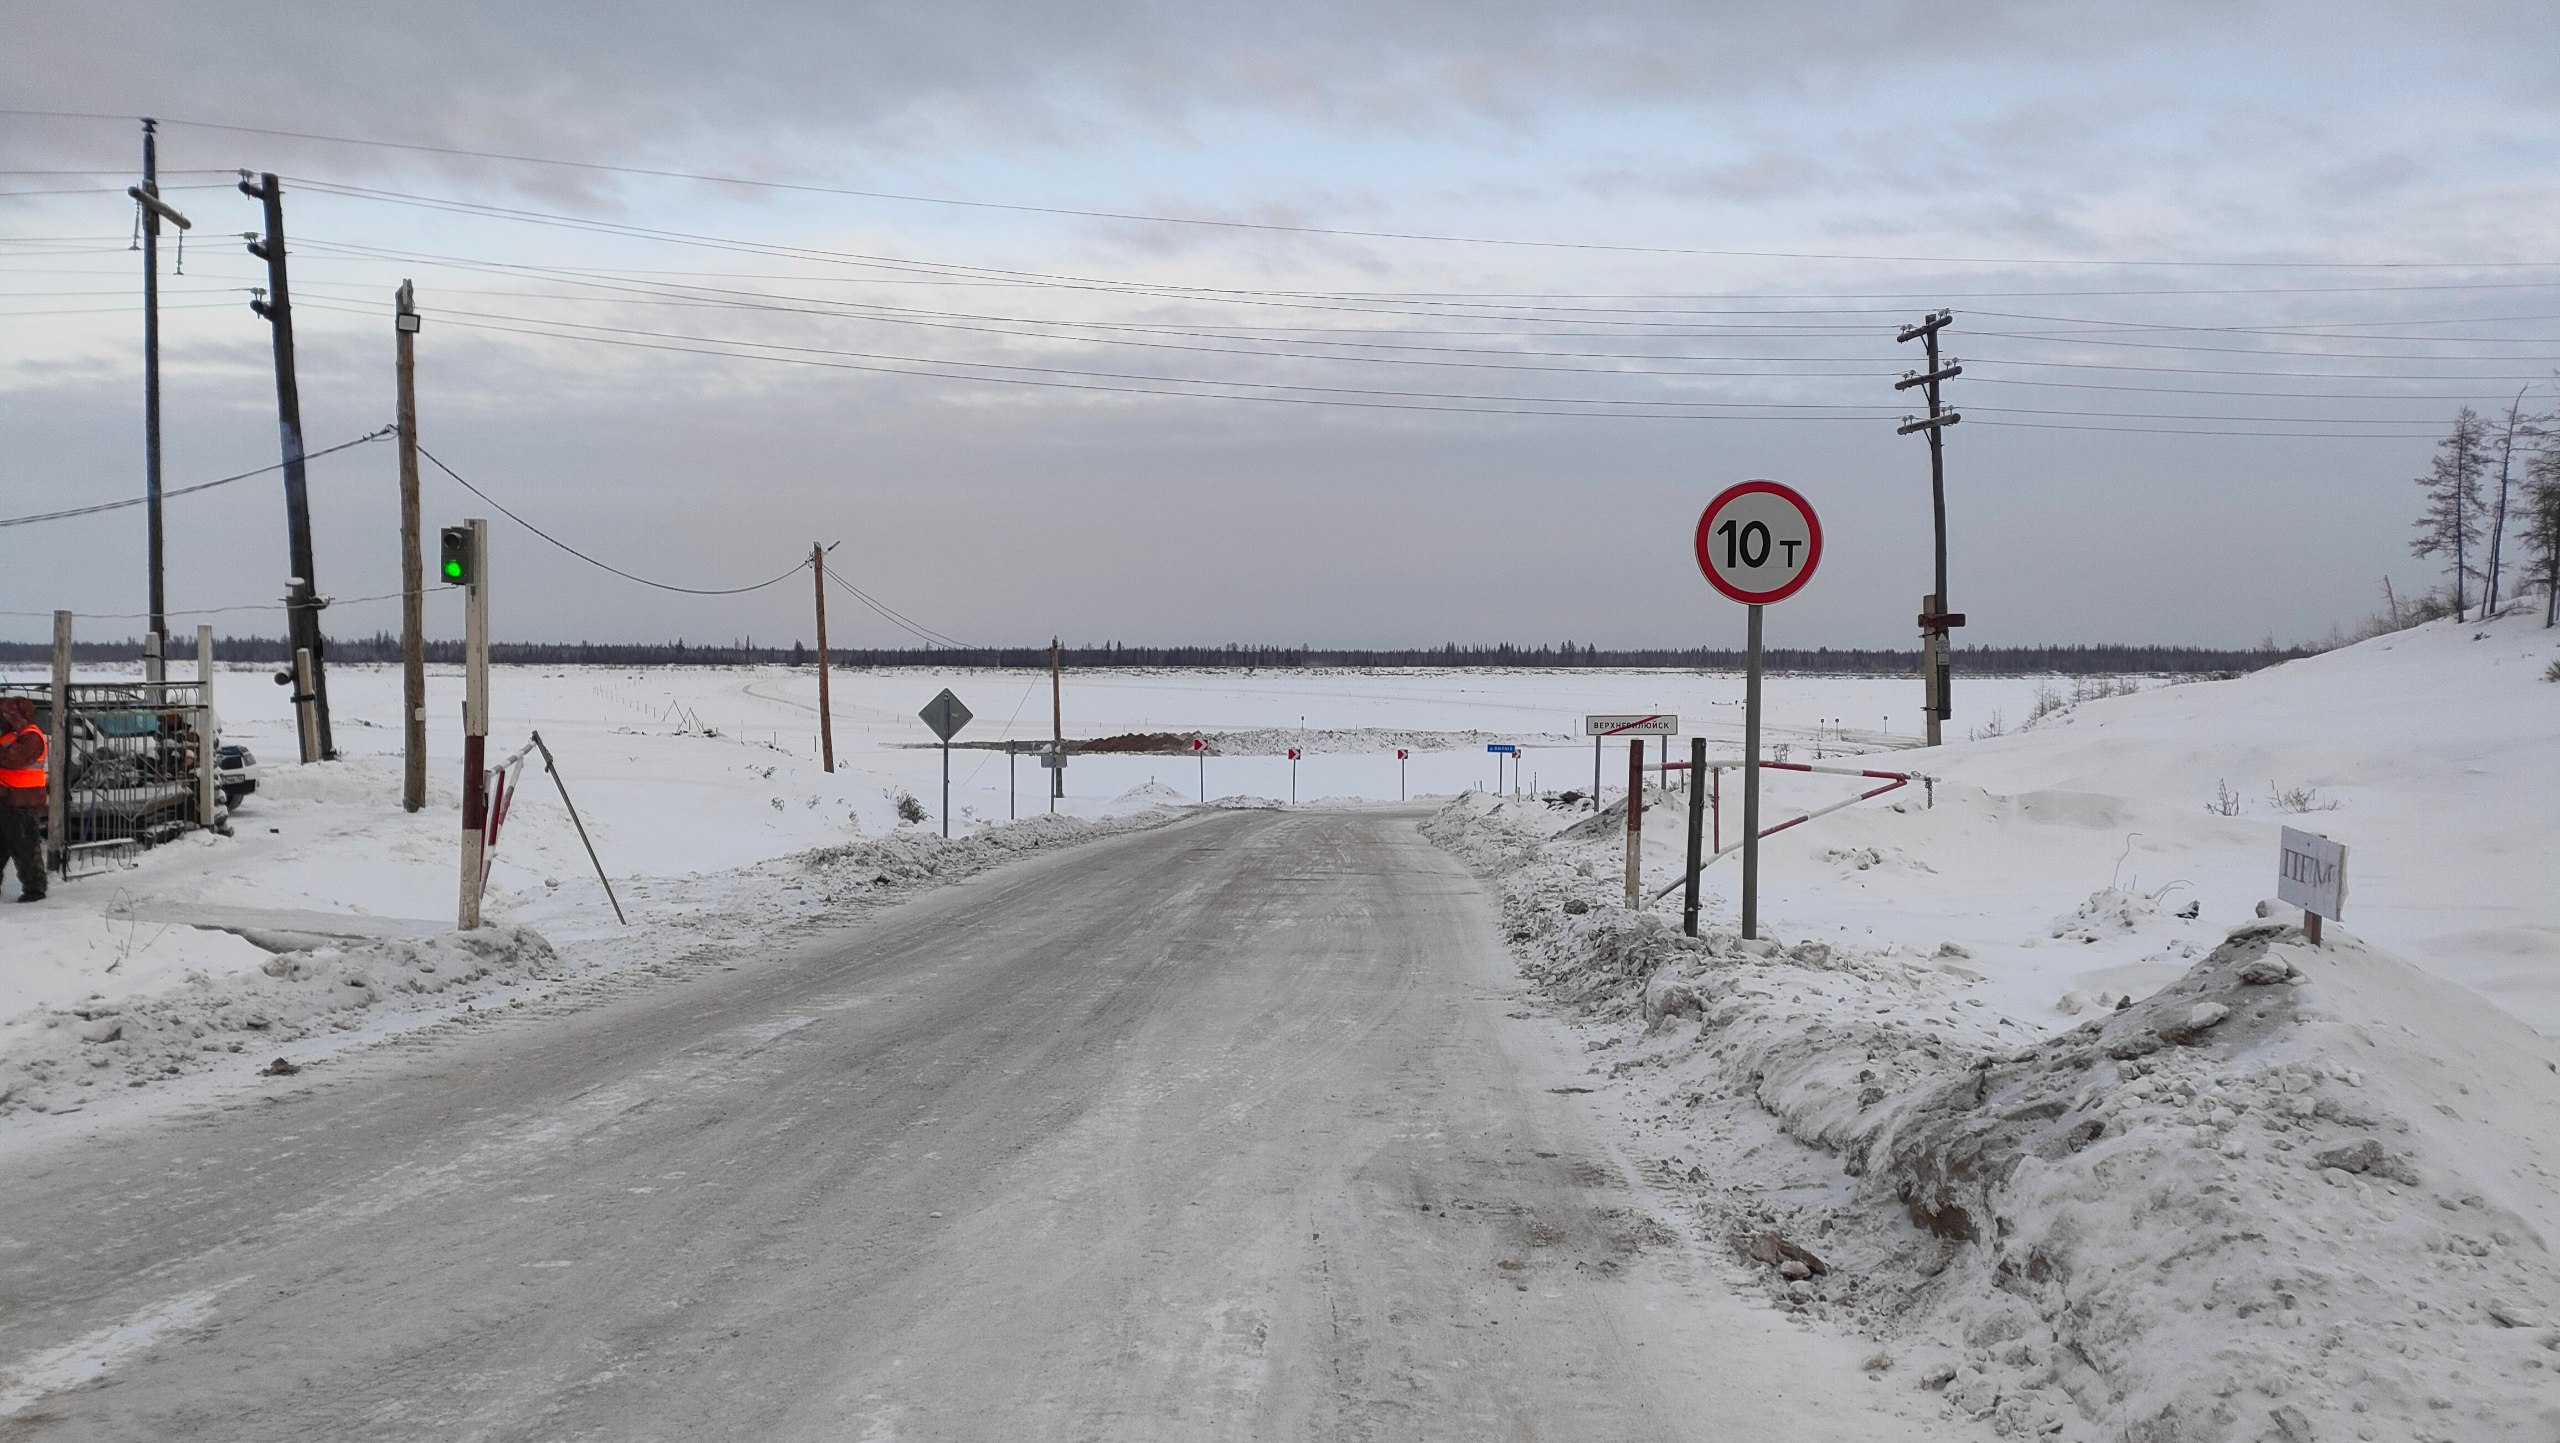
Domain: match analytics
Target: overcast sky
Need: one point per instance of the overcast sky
(1503, 293)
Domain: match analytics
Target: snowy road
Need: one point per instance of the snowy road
(1218, 1131)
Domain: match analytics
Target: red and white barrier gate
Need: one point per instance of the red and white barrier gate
(1893, 781)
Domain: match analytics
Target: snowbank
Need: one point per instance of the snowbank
(2296, 1193)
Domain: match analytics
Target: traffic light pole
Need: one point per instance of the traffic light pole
(302, 596)
(475, 724)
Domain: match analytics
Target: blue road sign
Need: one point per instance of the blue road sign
(1500, 747)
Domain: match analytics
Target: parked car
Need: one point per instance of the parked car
(236, 774)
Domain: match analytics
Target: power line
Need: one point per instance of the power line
(1275, 227)
(605, 565)
(898, 618)
(64, 515)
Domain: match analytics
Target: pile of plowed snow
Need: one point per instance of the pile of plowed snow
(2153, 1171)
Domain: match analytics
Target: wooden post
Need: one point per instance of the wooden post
(208, 729)
(1595, 773)
(413, 565)
(1635, 821)
(306, 721)
(57, 771)
(302, 600)
(826, 712)
(2311, 928)
(155, 670)
(1057, 731)
(1751, 785)
(1697, 822)
(475, 725)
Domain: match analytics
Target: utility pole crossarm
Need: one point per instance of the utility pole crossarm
(1912, 424)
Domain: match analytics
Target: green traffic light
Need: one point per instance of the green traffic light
(453, 571)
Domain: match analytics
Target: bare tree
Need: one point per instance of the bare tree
(2519, 427)
(2542, 514)
(2451, 522)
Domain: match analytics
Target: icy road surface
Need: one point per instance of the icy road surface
(1226, 1130)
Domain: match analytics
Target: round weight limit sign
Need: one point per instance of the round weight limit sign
(1759, 542)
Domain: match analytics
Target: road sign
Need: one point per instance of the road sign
(1493, 747)
(1758, 542)
(1199, 745)
(1400, 754)
(2311, 873)
(945, 715)
(1293, 754)
(1633, 724)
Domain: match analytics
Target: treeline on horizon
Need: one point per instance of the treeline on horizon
(2081, 659)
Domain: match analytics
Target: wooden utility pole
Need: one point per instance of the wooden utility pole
(1057, 731)
(826, 713)
(1935, 660)
(413, 564)
(475, 724)
(302, 596)
(154, 210)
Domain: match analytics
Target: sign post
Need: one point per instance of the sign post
(1757, 542)
(1636, 724)
(1504, 751)
(946, 716)
(2311, 873)
(1200, 749)
(1293, 776)
(1400, 752)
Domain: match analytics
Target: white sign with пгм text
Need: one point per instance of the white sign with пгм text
(2311, 873)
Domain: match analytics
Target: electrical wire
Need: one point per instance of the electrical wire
(898, 618)
(606, 565)
(1271, 227)
(70, 512)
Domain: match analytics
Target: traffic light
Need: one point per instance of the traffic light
(461, 563)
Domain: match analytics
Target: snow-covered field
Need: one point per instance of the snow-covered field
(691, 779)
(2038, 1089)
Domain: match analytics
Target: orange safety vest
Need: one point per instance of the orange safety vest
(27, 776)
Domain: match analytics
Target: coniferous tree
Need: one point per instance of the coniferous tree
(2450, 526)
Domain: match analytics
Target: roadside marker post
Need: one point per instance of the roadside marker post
(465, 562)
(1758, 542)
(2311, 873)
(1698, 785)
(1635, 823)
(1400, 793)
(1200, 749)
(946, 716)
(1293, 776)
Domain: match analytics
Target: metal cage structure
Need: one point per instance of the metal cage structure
(139, 766)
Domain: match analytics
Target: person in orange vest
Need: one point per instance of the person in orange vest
(23, 752)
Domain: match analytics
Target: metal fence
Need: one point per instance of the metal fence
(137, 764)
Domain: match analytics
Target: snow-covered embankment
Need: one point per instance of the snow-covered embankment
(2299, 1193)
